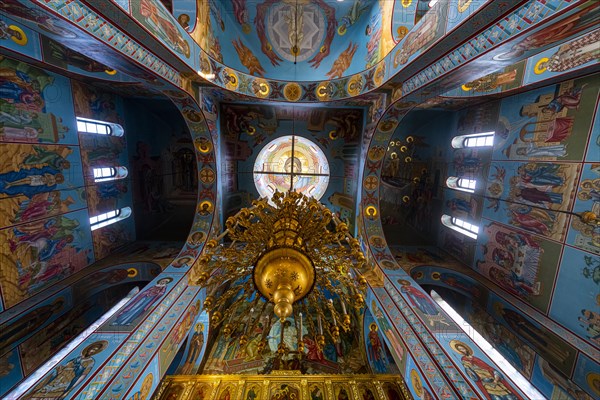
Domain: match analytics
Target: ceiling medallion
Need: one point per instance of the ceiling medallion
(290, 257)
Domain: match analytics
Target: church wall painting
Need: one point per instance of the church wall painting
(70, 373)
(546, 343)
(146, 383)
(22, 209)
(195, 348)
(547, 124)
(478, 367)
(22, 327)
(178, 334)
(39, 254)
(531, 195)
(460, 10)
(417, 385)
(580, 314)
(17, 37)
(379, 355)
(580, 235)
(522, 264)
(136, 309)
(587, 375)
(36, 106)
(552, 384)
(567, 57)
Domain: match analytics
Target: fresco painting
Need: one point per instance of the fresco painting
(552, 384)
(479, 368)
(587, 375)
(551, 123)
(20, 208)
(36, 105)
(93, 103)
(247, 130)
(43, 168)
(160, 23)
(513, 260)
(545, 343)
(195, 347)
(379, 355)
(578, 273)
(41, 253)
(417, 385)
(510, 346)
(78, 365)
(531, 195)
(146, 383)
(386, 332)
(10, 370)
(140, 306)
(17, 37)
(178, 334)
(585, 236)
(572, 55)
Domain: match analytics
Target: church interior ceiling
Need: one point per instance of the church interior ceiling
(395, 83)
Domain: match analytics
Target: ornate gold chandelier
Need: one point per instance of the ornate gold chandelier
(293, 258)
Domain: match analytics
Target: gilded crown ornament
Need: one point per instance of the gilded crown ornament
(291, 257)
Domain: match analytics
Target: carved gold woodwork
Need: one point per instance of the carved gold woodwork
(284, 385)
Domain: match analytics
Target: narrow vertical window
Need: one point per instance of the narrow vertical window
(459, 225)
(485, 139)
(110, 217)
(103, 174)
(462, 184)
(85, 125)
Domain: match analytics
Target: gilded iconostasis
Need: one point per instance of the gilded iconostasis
(210, 104)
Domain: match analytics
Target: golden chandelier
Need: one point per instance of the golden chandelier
(293, 258)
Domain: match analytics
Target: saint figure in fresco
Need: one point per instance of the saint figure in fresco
(489, 380)
(375, 349)
(418, 298)
(196, 344)
(141, 303)
(30, 182)
(65, 377)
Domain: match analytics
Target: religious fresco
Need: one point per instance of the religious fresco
(17, 37)
(378, 353)
(197, 342)
(178, 334)
(550, 123)
(531, 195)
(138, 308)
(552, 383)
(546, 343)
(478, 367)
(587, 375)
(228, 356)
(145, 386)
(159, 22)
(21, 328)
(514, 260)
(510, 346)
(69, 374)
(36, 106)
(584, 236)
(577, 274)
(417, 385)
(41, 253)
(247, 130)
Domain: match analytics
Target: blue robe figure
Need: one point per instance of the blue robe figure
(36, 184)
(141, 303)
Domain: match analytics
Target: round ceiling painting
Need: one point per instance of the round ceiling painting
(291, 162)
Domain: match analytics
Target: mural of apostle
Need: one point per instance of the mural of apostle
(141, 303)
(195, 349)
(65, 377)
(488, 380)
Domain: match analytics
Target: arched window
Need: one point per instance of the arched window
(86, 125)
(476, 140)
(110, 217)
(462, 184)
(104, 174)
(457, 224)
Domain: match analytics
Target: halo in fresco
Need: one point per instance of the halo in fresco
(291, 159)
